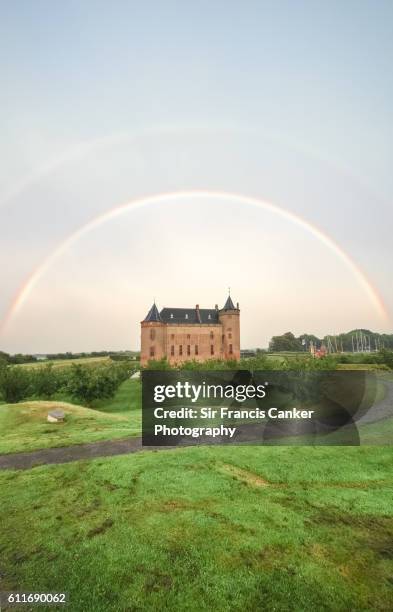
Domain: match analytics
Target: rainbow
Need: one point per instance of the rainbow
(29, 284)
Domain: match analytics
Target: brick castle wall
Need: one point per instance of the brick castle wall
(186, 342)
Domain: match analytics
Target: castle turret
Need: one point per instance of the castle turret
(229, 317)
(152, 336)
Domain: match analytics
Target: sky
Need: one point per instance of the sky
(103, 104)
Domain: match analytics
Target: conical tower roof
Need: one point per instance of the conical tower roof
(153, 315)
(229, 305)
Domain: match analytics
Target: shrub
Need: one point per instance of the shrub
(87, 384)
(387, 358)
(46, 381)
(309, 363)
(260, 362)
(15, 383)
(158, 364)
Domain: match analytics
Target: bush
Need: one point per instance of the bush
(158, 364)
(4, 359)
(309, 363)
(46, 381)
(209, 364)
(362, 358)
(15, 384)
(192, 364)
(387, 358)
(87, 384)
(260, 362)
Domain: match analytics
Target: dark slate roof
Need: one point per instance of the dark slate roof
(153, 315)
(189, 315)
(229, 304)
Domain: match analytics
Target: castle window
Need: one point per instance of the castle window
(196, 349)
(211, 335)
(152, 352)
(186, 316)
(171, 315)
(230, 349)
(209, 316)
(222, 338)
(229, 336)
(172, 350)
(229, 328)
(180, 349)
(188, 349)
(152, 334)
(212, 349)
(188, 336)
(172, 336)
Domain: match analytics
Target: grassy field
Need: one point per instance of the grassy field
(241, 528)
(63, 363)
(24, 426)
(205, 528)
(127, 401)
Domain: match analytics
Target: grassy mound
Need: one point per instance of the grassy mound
(24, 426)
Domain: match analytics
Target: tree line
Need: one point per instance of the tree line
(262, 361)
(345, 342)
(20, 358)
(79, 382)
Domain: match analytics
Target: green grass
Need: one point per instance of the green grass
(216, 528)
(126, 401)
(279, 358)
(240, 528)
(378, 367)
(63, 363)
(24, 426)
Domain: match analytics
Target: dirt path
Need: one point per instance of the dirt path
(106, 448)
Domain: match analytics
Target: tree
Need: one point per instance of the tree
(20, 358)
(4, 358)
(46, 381)
(87, 383)
(15, 383)
(387, 358)
(286, 342)
(308, 338)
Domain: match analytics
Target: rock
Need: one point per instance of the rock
(56, 416)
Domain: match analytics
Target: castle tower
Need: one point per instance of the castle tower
(153, 338)
(229, 317)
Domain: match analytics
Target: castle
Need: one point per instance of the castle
(184, 334)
